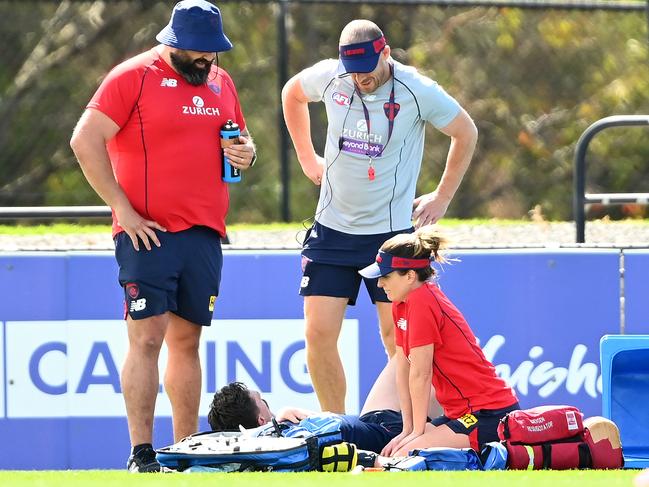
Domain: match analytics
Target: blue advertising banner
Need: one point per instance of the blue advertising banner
(636, 265)
(539, 316)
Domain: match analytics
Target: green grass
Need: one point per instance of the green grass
(72, 228)
(56, 228)
(572, 478)
(76, 229)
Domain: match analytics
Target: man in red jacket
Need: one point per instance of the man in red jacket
(148, 143)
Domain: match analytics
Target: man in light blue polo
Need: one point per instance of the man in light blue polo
(377, 109)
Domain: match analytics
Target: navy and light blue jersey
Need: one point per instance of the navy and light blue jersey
(350, 201)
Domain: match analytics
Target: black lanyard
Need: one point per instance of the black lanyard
(391, 109)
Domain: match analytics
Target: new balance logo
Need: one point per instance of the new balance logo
(402, 324)
(170, 82)
(138, 305)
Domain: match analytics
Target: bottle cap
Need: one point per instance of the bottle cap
(230, 126)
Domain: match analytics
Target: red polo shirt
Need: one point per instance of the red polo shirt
(464, 380)
(167, 155)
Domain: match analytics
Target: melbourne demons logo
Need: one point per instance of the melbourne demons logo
(340, 98)
(132, 290)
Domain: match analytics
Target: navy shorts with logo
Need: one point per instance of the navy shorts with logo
(373, 430)
(331, 261)
(181, 276)
(481, 426)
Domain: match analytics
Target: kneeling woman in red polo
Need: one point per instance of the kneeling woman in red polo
(436, 345)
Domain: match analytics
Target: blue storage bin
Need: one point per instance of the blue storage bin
(625, 393)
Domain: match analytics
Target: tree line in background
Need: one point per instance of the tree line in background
(533, 80)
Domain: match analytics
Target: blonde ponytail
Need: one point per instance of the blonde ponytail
(425, 243)
(428, 243)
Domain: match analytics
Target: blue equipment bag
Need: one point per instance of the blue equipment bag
(494, 456)
(279, 447)
(324, 427)
(406, 464)
(238, 452)
(440, 458)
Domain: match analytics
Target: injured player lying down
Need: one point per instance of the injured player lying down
(236, 406)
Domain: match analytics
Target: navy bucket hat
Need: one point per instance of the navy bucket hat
(195, 25)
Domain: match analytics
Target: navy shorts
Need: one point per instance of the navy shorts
(181, 276)
(331, 261)
(373, 430)
(480, 426)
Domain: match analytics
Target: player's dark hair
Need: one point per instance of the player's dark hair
(233, 406)
(425, 243)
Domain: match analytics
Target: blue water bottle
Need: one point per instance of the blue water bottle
(229, 136)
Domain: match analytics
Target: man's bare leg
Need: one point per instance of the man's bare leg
(183, 375)
(139, 377)
(384, 394)
(386, 325)
(324, 316)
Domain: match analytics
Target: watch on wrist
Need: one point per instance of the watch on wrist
(254, 159)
